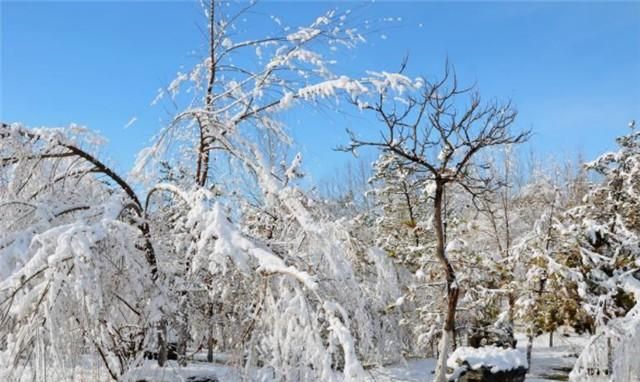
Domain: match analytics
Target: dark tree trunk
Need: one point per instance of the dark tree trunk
(210, 340)
(162, 343)
(452, 284)
(529, 349)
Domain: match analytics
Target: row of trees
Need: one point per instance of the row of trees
(542, 246)
(452, 237)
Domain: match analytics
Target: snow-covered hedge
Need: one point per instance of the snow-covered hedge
(494, 358)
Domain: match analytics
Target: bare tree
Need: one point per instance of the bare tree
(433, 129)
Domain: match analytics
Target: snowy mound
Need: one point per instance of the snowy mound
(491, 357)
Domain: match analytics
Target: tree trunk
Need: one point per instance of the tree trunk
(210, 343)
(452, 286)
(183, 338)
(609, 356)
(529, 348)
(162, 343)
(183, 326)
(551, 339)
(210, 340)
(454, 343)
(441, 365)
(512, 309)
(204, 145)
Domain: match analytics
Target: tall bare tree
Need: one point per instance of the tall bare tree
(433, 129)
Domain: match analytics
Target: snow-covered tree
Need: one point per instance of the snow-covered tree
(601, 256)
(401, 198)
(76, 257)
(243, 264)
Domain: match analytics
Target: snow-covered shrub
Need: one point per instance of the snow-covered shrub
(600, 255)
(492, 358)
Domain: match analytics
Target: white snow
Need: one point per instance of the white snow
(382, 81)
(303, 34)
(131, 122)
(286, 100)
(492, 357)
(328, 88)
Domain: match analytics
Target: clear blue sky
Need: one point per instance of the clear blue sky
(572, 69)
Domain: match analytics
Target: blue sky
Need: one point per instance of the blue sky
(572, 69)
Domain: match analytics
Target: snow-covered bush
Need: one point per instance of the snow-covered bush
(494, 359)
(600, 254)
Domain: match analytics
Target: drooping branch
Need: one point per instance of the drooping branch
(72, 150)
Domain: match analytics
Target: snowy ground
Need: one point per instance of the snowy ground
(412, 370)
(552, 364)
(547, 365)
(173, 373)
